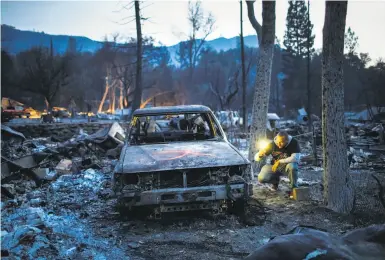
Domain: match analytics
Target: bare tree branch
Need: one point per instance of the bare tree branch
(231, 94)
(249, 65)
(42, 73)
(257, 26)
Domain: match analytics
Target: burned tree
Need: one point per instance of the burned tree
(338, 187)
(266, 37)
(226, 96)
(221, 73)
(244, 113)
(310, 42)
(42, 72)
(124, 67)
(201, 27)
(7, 74)
(120, 65)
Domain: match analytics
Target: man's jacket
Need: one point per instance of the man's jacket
(288, 154)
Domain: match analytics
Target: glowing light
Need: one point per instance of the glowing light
(262, 144)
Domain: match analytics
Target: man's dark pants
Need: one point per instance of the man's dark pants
(266, 175)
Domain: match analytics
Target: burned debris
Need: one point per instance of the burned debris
(43, 160)
(41, 178)
(58, 198)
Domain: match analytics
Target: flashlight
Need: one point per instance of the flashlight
(262, 144)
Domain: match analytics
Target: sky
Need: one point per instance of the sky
(168, 23)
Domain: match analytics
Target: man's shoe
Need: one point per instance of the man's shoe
(290, 194)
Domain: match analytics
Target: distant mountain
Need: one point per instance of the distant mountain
(15, 41)
(219, 44)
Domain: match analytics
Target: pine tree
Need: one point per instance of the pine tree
(351, 42)
(297, 28)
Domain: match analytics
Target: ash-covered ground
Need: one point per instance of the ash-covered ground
(72, 215)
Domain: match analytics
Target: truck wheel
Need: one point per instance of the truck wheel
(124, 210)
(236, 207)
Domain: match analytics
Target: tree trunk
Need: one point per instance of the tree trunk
(138, 86)
(100, 109)
(262, 82)
(47, 104)
(113, 96)
(309, 103)
(121, 97)
(244, 110)
(338, 187)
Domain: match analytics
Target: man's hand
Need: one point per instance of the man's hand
(259, 156)
(275, 166)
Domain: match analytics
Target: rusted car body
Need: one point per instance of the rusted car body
(179, 159)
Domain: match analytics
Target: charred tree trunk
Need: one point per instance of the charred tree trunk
(309, 103)
(338, 186)
(100, 109)
(262, 81)
(48, 102)
(138, 78)
(244, 112)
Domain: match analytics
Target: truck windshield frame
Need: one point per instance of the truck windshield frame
(172, 127)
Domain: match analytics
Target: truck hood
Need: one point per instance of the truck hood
(178, 155)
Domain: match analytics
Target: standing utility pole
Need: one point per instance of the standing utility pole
(311, 128)
(138, 82)
(243, 73)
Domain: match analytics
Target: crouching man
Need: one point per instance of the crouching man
(285, 151)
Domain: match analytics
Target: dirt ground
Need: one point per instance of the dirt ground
(75, 218)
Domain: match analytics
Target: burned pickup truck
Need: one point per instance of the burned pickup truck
(179, 159)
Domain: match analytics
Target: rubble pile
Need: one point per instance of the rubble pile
(57, 204)
(43, 160)
(41, 180)
(58, 131)
(41, 222)
(366, 146)
(366, 134)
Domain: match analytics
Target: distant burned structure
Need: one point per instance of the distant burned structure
(11, 109)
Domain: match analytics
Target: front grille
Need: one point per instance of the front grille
(198, 177)
(170, 179)
(193, 177)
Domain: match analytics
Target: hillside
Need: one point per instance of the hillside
(219, 44)
(15, 41)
